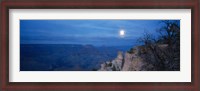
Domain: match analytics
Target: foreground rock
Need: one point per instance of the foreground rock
(114, 65)
(139, 58)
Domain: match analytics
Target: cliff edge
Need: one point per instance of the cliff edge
(139, 58)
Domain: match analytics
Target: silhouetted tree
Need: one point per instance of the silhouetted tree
(165, 49)
(170, 32)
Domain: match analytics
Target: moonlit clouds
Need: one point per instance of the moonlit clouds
(95, 32)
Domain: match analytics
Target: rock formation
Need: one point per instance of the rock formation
(127, 61)
(114, 65)
(143, 58)
(131, 61)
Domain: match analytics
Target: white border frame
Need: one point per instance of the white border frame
(15, 75)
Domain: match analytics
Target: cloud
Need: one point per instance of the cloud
(96, 32)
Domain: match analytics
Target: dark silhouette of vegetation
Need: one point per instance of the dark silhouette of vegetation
(131, 51)
(163, 52)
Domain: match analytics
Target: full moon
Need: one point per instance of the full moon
(122, 32)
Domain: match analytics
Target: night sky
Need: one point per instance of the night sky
(94, 32)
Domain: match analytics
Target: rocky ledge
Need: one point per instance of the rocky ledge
(139, 58)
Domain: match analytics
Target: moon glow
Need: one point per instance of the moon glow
(121, 32)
